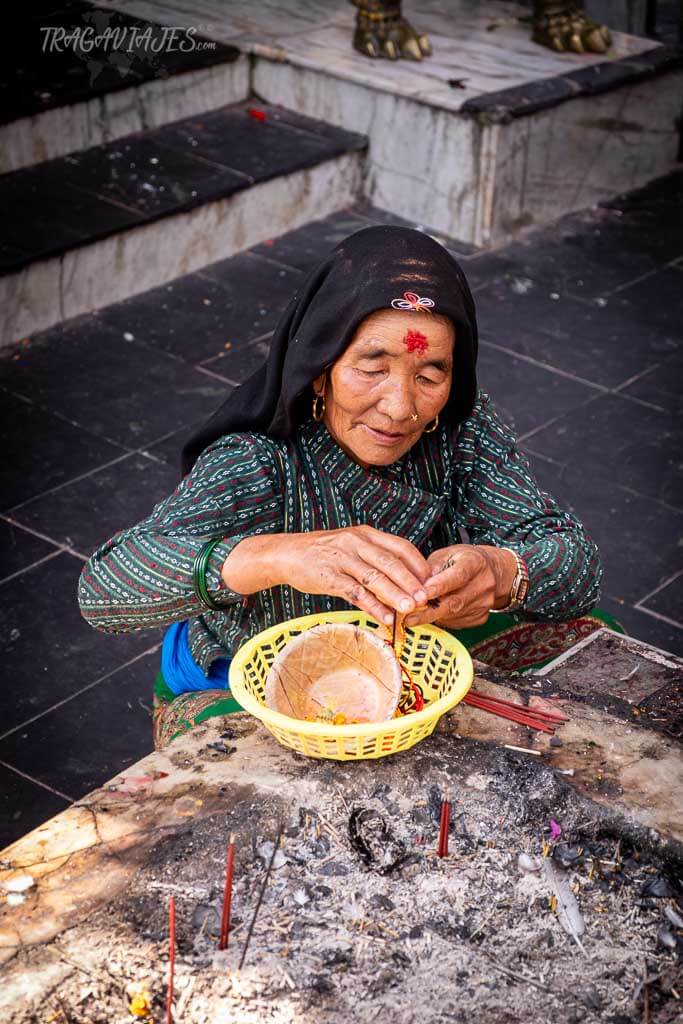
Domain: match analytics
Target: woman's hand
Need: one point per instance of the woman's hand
(467, 581)
(375, 571)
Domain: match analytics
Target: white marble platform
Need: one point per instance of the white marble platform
(481, 41)
(91, 276)
(77, 126)
(430, 160)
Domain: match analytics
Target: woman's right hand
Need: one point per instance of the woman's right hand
(375, 571)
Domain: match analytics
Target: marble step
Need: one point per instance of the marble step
(96, 227)
(491, 135)
(83, 75)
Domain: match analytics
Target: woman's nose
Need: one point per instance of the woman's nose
(398, 400)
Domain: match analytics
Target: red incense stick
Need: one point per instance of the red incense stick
(442, 850)
(171, 956)
(227, 894)
(552, 716)
(518, 713)
(512, 716)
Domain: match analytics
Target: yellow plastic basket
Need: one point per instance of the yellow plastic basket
(435, 660)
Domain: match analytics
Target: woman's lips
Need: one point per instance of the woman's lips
(382, 437)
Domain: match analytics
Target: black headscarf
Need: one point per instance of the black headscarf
(376, 268)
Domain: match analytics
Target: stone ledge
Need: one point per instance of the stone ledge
(124, 264)
(507, 104)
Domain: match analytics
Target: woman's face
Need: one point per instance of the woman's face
(388, 385)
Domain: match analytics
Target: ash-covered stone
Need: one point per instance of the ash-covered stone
(338, 938)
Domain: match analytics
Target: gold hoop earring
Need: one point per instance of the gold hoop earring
(430, 430)
(318, 409)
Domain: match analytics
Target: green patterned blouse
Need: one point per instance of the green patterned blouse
(470, 481)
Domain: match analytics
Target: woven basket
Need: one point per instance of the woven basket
(436, 661)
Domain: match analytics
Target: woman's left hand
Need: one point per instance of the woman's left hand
(467, 581)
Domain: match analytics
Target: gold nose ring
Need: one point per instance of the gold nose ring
(414, 417)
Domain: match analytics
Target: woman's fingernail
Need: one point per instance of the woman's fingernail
(405, 605)
(420, 596)
(388, 620)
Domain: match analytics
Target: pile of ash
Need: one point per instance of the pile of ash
(547, 908)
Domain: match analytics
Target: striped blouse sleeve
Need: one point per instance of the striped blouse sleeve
(500, 503)
(142, 577)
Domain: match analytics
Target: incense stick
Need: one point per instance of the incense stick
(227, 894)
(444, 826)
(171, 957)
(515, 713)
(552, 716)
(276, 847)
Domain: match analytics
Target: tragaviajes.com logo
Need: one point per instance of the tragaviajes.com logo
(104, 41)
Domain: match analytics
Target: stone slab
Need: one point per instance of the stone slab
(81, 280)
(576, 128)
(101, 119)
(484, 42)
(484, 183)
(89, 889)
(598, 663)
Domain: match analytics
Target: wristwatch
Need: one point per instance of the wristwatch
(520, 585)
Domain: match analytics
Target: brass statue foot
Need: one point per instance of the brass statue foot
(562, 25)
(381, 31)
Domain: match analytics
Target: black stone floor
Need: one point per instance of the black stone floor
(581, 347)
(62, 53)
(74, 200)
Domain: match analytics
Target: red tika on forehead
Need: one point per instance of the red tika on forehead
(415, 341)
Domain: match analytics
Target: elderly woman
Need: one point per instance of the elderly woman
(346, 472)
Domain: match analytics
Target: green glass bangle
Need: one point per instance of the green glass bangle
(199, 573)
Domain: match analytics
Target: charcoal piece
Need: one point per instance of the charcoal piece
(318, 846)
(657, 888)
(420, 816)
(374, 842)
(382, 902)
(222, 747)
(569, 855)
(332, 868)
(674, 917)
(434, 802)
(321, 984)
(336, 957)
(590, 998)
(666, 937)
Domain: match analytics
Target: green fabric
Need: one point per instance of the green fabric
(473, 478)
(222, 706)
